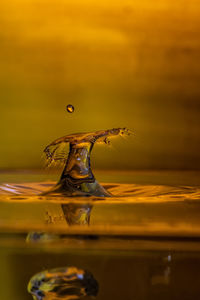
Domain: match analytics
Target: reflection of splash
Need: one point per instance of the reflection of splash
(62, 283)
(77, 178)
(41, 237)
(162, 274)
(163, 278)
(77, 214)
(74, 214)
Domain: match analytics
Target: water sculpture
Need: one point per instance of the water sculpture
(77, 178)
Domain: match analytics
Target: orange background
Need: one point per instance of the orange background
(120, 63)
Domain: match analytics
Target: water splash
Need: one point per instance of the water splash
(77, 178)
(62, 283)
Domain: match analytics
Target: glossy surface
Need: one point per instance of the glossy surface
(143, 243)
(62, 283)
(147, 270)
(152, 207)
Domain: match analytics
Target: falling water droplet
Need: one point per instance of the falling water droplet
(70, 108)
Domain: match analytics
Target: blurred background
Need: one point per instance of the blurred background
(120, 63)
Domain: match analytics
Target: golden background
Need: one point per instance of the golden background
(120, 63)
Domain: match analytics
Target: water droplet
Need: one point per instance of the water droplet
(63, 283)
(70, 108)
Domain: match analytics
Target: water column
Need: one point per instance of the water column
(77, 175)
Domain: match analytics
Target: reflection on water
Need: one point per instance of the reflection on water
(62, 283)
(140, 274)
(161, 273)
(152, 262)
(77, 214)
(77, 178)
(73, 213)
(133, 209)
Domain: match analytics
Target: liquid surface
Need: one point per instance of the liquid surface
(142, 243)
(135, 209)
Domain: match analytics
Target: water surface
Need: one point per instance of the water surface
(142, 243)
